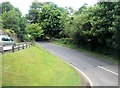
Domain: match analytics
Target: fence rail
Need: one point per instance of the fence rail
(16, 47)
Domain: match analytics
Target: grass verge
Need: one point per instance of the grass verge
(81, 49)
(35, 66)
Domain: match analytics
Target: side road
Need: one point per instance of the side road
(98, 72)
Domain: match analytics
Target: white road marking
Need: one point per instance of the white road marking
(108, 70)
(91, 84)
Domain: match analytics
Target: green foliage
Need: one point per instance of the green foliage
(50, 20)
(49, 16)
(27, 37)
(22, 24)
(116, 26)
(65, 41)
(34, 30)
(11, 20)
(1, 24)
(96, 27)
(9, 32)
(69, 10)
(33, 12)
(79, 26)
(36, 6)
(6, 6)
(10, 17)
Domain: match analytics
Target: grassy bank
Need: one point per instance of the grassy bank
(67, 43)
(35, 66)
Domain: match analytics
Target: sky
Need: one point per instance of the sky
(24, 5)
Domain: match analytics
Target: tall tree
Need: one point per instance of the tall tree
(1, 25)
(116, 27)
(10, 17)
(36, 6)
(11, 20)
(0, 8)
(50, 20)
(22, 24)
(102, 22)
(94, 25)
(6, 6)
(32, 16)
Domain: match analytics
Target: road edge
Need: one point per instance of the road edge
(82, 73)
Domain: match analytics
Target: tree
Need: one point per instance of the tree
(93, 25)
(102, 22)
(32, 16)
(50, 20)
(81, 9)
(116, 27)
(78, 26)
(10, 17)
(70, 10)
(48, 15)
(17, 12)
(1, 25)
(11, 20)
(22, 24)
(6, 6)
(0, 8)
(36, 6)
(34, 30)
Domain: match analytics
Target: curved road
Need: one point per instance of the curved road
(100, 73)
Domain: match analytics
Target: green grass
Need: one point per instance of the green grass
(35, 66)
(93, 53)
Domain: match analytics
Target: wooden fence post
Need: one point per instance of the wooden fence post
(2, 50)
(29, 44)
(18, 47)
(23, 46)
(33, 43)
(26, 45)
(13, 50)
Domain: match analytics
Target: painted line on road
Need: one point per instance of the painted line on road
(91, 84)
(108, 70)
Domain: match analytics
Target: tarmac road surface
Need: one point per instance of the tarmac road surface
(100, 73)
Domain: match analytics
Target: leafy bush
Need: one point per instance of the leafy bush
(96, 27)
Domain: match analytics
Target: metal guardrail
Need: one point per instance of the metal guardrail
(16, 47)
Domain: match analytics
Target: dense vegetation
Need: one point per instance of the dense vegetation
(96, 27)
(47, 15)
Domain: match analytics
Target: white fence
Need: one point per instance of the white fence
(16, 47)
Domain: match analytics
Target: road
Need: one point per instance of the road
(99, 72)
